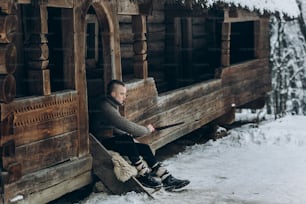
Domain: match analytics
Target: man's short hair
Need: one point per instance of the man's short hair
(111, 85)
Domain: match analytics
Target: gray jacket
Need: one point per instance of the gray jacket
(107, 116)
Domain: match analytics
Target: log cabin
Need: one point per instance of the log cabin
(181, 63)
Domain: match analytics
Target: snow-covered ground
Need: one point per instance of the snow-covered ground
(257, 163)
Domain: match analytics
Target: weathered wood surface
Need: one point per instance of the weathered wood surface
(51, 183)
(248, 81)
(7, 88)
(8, 58)
(46, 153)
(51, 3)
(198, 104)
(182, 105)
(37, 118)
(103, 168)
(232, 15)
(8, 28)
(38, 132)
(8, 6)
(127, 7)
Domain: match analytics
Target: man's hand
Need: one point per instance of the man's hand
(151, 128)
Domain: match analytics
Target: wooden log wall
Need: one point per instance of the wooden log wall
(198, 104)
(247, 82)
(182, 105)
(44, 133)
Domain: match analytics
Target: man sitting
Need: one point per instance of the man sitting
(123, 139)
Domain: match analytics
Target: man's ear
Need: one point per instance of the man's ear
(112, 94)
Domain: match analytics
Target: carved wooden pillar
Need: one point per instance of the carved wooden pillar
(225, 47)
(8, 64)
(8, 57)
(140, 47)
(38, 54)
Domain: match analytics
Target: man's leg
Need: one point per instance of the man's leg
(126, 146)
(169, 182)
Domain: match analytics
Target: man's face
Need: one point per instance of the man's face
(119, 93)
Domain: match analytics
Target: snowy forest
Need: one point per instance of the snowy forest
(288, 63)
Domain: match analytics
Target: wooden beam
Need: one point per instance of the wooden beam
(52, 3)
(45, 153)
(127, 7)
(140, 47)
(51, 183)
(60, 4)
(234, 15)
(225, 46)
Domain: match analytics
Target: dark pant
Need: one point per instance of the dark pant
(126, 146)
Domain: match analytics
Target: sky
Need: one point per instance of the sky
(256, 163)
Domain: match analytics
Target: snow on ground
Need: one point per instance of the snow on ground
(262, 163)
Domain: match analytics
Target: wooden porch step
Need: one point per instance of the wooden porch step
(103, 168)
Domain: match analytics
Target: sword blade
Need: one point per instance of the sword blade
(168, 126)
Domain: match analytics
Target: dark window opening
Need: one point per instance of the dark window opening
(193, 52)
(242, 42)
(56, 50)
(126, 47)
(90, 39)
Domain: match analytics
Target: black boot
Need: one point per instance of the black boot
(149, 181)
(145, 177)
(170, 183)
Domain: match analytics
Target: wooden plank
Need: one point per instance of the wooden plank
(205, 113)
(45, 153)
(60, 4)
(245, 70)
(103, 168)
(225, 48)
(52, 3)
(232, 15)
(127, 8)
(170, 99)
(28, 134)
(194, 113)
(40, 118)
(50, 183)
(54, 192)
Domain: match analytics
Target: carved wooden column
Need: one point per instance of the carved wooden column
(225, 47)
(8, 57)
(140, 47)
(38, 54)
(8, 64)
